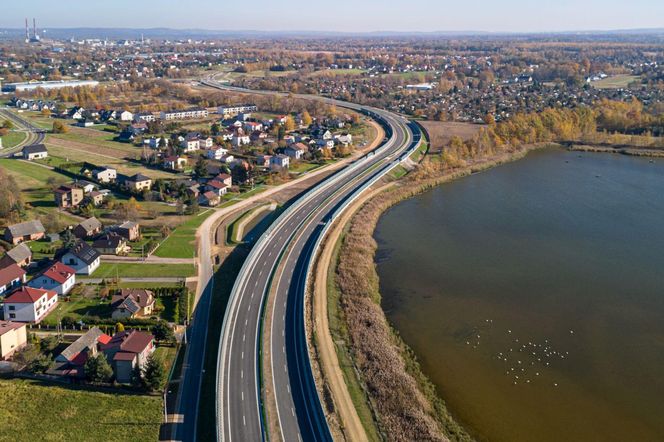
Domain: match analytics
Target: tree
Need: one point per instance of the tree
(59, 128)
(40, 364)
(119, 327)
(154, 375)
(97, 369)
(200, 169)
(163, 332)
(289, 124)
(306, 118)
(68, 239)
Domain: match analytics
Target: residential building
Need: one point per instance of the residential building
(146, 117)
(111, 244)
(229, 111)
(82, 258)
(296, 151)
(96, 198)
(68, 196)
(174, 162)
(88, 229)
(225, 178)
(263, 160)
(28, 304)
(210, 199)
(71, 360)
(34, 152)
(20, 255)
(216, 152)
(132, 303)
(11, 277)
(280, 161)
(190, 144)
(217, 187)
(26, 231)
(58, 278)
(13, 337)
(126, 350)
(138, 183)
(130, 230)
(184, 114)
(155, 142)
(105, 174)
(126, 116)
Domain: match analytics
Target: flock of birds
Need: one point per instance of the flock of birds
(524, 360)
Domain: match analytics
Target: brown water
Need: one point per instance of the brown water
(533, 295)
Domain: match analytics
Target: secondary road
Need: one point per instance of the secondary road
(288, 246)
(35, 135)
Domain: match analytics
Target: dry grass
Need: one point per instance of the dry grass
(441, 132)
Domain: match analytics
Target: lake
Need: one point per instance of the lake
(533, 295)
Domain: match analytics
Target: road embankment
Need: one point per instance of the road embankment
(404, 402)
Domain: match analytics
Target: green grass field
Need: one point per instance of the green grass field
(615, 82)
(138, 270)
(36, 410)
(31, 179)
(12, 139)
(180, 243)
(78, 308)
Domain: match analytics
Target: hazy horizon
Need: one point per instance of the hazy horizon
(509, 16)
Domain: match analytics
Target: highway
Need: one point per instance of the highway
(278, 266)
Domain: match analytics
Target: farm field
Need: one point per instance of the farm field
(615, 82)
(442, 131)
(75, 415)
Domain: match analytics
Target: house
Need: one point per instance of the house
(217, 187)
(127, 350)
(58, 278)
(11, 277)
(155, 142)
(296, 151)
(87, 229)
(184, 114)
(210, 199)
(138, 182)
(96, 198)
(240, 138)
(26, 231)
(321, 133)
(126, 116)
(111, 244)
(85, 123)
(76, 113)
(229, 111)
(205, 143)
(251, 126)
(174, 162)
(13, 337)
(82, 258)
(144, 117)
(105, 174)
(215, 153)
(225, 178)
(322, 143)
(68, 196)
(227, 159)
(132, 303)
(130, 230)
(280, 161)
(34, 152)
(72, 359)
(20, 255)
(344, 139)
(28, 304)
(263, 160)
(87, 186)
(190, 143)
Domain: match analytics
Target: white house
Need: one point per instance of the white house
(58, 278)
(296, 151)
(34, 152)
(153, 142)
(215, 153)
(28, 304)
(11, 276)
(205, 143)
(126, 116)
(105, 174)
(82, 258)
(190, 144)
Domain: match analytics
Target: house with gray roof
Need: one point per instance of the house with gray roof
(87, 229)
(82, 258)
(27, 231)
(34, 152)
(20, 255)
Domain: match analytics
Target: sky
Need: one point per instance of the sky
(341, 15)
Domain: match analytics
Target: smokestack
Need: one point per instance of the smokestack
(27, 32)
(34, 28)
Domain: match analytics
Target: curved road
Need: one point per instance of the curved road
(288, 248)
(35, 135)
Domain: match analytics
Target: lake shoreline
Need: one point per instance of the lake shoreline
(428, 417)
